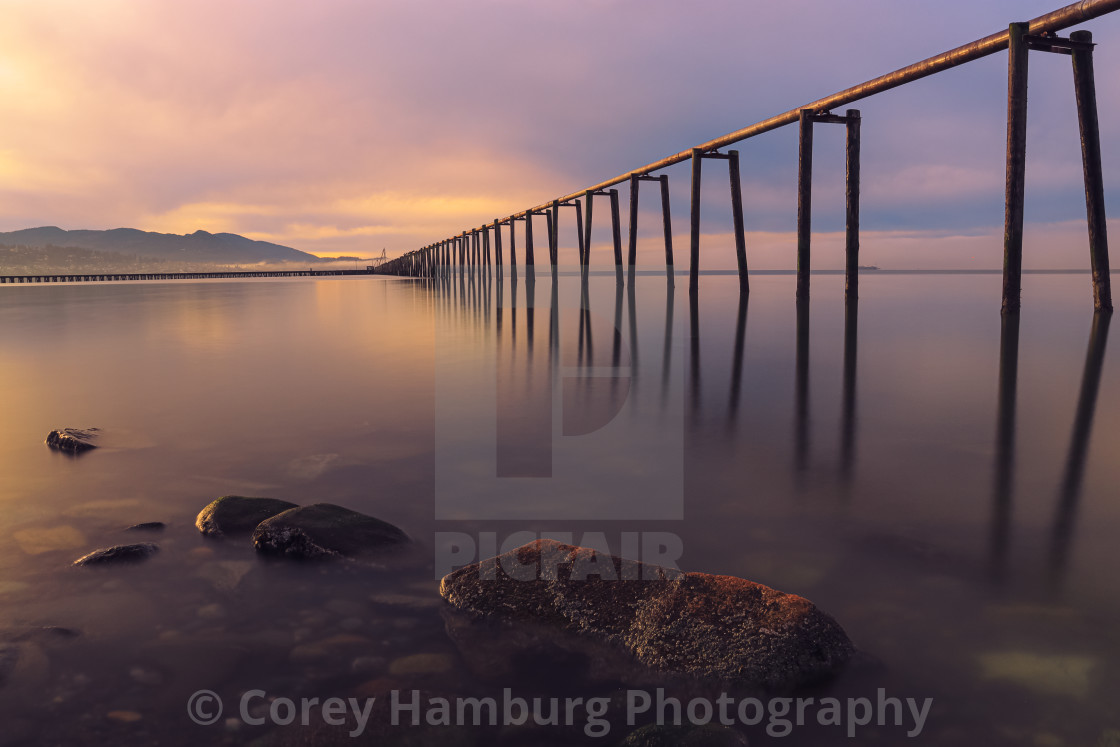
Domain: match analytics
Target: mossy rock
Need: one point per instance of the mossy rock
(324, 530)
(236, 514)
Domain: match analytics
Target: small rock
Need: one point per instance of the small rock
(235, 514)
(211, 612)
(147, 526)
(225, 575)
(328, 648)
(422, 664)
(144, 676)
(1109, 738)
(708, 735)
(119, 554)
(324, 530)
(38, 540)
(367, 664)
(345, 607)
(13, 587)
(1047, 674)
(72, 440)
(200, 554)
(407, 601)
(125, 717)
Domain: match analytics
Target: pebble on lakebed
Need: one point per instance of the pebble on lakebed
(72, 440)
(119, 554)
(675, 625)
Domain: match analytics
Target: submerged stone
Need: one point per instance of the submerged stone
(1047, 674)
(39, 540)
(119, 554)
(147, 526)
(708, 735)
(324, 530)
(547, 600)
(236, 514)
(72, 440)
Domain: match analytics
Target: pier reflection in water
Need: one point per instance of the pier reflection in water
(846, 450)
(940, 480)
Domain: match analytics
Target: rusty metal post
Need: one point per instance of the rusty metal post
(529, 260)
(737, 218)
(616, 235)
(804, 200)
(851, 190)
(694, 254)
(1085, 88)
(551, 218)
(554, 236)
(667, 225)
(632, 238)
(585, 258)
(498, 246)
(579, 229)
(1016, 166)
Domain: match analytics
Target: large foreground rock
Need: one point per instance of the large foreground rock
(693, 625)
(237, 514)
(72, 440)
(324, 530)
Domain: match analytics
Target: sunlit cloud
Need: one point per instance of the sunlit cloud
(345, 126)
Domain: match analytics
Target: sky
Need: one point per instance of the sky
(344, 127)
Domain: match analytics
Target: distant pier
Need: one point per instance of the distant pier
(118, 276)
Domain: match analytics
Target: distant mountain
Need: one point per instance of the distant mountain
(200, 246)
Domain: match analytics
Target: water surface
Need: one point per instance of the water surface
(942, 482)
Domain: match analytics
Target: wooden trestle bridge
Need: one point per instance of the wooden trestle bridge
(471, 248)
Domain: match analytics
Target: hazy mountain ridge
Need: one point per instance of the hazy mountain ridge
(200, 246)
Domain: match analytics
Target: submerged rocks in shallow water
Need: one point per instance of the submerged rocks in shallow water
(324, 530)
(119, 554)
(692, 625)
(708, 735)
(72, 440)
(147, 526)
(236, 514)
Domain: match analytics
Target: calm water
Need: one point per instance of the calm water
(956, 511)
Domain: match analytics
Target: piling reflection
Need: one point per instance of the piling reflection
(694, 358)
(737, 362)
(1069, 495)
(1005, 448)
(667, 346)
(571, 388)
(848, 395)
(801, 389)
